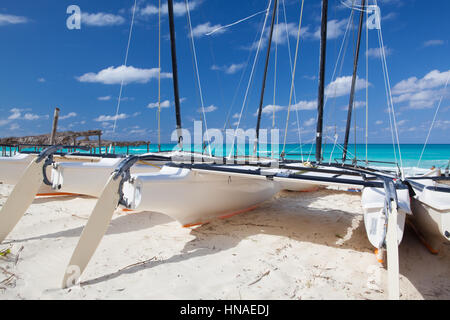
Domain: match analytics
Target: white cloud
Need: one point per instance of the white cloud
(378, 122)
(14, 126)
(401, 122)
(140, 132)
(421, 99)
(389, 16)
(431, 80)
(16, 113)
(312, 78)
(269, 109)
(376, 52)
(106, 125)
(41, 80)
(105, 98)
(104, 118)
(69, 115)
(335, 29)
(210, 108)
(422, 93)
(4, 122)
(179, 9)
(310, 122)
(430, 43)
(442, 124)
(305, 105)
(101, 19)
(301, 105)
(356, 105)
(204, 28)
(6, 19)
(280, 30)
(164, 104)
(31, 116)
(342, 86)
(128, 74)
(231, 69)
(279, 34)
(126, 99)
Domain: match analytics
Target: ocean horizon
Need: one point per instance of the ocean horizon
(378, 154)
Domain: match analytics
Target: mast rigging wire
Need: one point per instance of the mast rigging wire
(334, 71)
(434, 120)
(198, 74)
(238, 86)
(125, 64)
(159, 76)
(291, 69)
(251, 78)
(275, 73)
(367, 88)
(389, 97)
(293, 76)
(275, 79)
(234, 23)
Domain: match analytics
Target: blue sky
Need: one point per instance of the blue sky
(44, 65)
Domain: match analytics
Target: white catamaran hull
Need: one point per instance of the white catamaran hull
(431, 214)
(195, 197)
(12, 168)
(89, 178)
(375, 218)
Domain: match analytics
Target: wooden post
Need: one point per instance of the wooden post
(99, 144)
(74, 143)
(148, 147)
(54, 126)
(128, 149)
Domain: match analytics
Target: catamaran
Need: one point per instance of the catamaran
(90, 178)
(194, 193)
(431, 207)
(183, 191)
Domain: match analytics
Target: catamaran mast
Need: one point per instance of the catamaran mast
(320, 102)
(175, 73)
(352, 91)
(261, 101)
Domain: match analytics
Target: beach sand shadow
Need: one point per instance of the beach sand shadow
(122, 224)
(277, 217)
(335, 228)
(49, 199)
(429, 273)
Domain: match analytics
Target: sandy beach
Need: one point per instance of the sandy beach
(299, 245)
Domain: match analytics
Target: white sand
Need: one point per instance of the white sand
(297, 246)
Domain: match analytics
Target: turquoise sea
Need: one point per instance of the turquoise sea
(437, 155)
